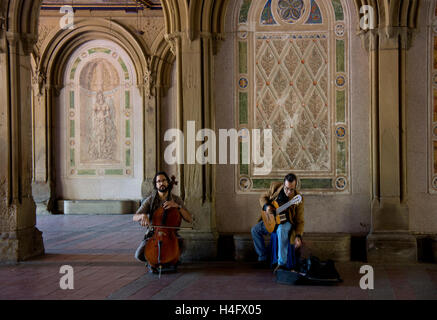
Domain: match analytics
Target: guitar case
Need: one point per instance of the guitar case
(311, 271)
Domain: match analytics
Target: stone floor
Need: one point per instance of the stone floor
(100, 250)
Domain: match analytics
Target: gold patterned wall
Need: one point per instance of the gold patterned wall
(292, 77)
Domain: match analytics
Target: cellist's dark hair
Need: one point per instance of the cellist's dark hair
(161, 173)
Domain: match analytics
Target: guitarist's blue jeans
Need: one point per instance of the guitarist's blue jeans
(258, 233)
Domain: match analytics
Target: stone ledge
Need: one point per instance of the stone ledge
(198, 246)
(334, 246)
(393, 247)
(97, 206)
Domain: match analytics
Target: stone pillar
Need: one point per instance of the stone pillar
(150, 103)
(194, 63)
(390, 239)
(19, 238)
(43, 168)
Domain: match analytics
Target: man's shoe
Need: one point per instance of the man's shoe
(280, 267)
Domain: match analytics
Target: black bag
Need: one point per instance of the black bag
(310, 271)
(314, 271)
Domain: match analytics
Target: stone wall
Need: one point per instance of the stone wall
(324, 211)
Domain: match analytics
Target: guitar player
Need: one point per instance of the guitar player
(290, 230)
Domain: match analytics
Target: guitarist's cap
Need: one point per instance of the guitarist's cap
(291, 177)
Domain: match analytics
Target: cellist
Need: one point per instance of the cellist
(161, 197)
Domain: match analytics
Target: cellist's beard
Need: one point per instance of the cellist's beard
(163, 189)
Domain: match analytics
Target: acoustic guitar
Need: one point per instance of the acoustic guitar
(272, 221)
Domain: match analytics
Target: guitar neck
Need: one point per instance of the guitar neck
(286, 206)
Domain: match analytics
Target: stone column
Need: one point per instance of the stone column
(150, 98)
(43, 170)
(19, 238)
(390, 239)
(194, 61)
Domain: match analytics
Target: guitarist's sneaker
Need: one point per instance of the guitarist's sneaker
(279, 267)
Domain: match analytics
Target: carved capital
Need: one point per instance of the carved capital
(149, 82)
(388, 38)
(21, 43)
(12, 38)
(3, 42)
(28, 40)
(172, 40)
(39, 80)
(217, 40)
(395, 38)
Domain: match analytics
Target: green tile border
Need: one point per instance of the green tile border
(71, 99)
(127, 99)
(72, 129)
(242, 55)
(341, 157)
(87, 172)
(315, 183)
(74, 67)
(339, 54)
(123, 66)
(128, 158)
(243, 108)
(258, 184)
(340, 97)
(99, 49)
(127, 128)
(114, 172)
(72, 160)
(338, 9)
(244, 168)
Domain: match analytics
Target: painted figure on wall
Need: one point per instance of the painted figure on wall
(104, 132)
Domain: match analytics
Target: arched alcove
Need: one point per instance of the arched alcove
(65, 58)
(99, 132)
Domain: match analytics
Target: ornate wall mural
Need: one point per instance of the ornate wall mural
(292, 77)
(99, 118)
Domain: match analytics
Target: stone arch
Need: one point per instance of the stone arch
(195, 17)
(152, 72)
(58, 49)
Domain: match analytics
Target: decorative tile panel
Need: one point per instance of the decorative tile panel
(315, 14)
(296, 83)
(267, 15)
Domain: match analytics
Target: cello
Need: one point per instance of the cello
(162, 249)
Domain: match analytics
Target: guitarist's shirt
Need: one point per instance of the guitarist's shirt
(276, 188)
(282, 199)
(153, 202)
